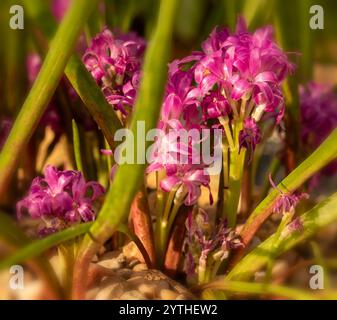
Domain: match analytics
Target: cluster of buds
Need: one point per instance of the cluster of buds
(114, 61)
(208, 243)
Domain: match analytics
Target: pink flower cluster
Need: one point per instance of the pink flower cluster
(60, 199)
(115, 63)
(235, 77)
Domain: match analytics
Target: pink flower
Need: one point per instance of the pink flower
(243, 65)
(59, 8)
(115, 63)
(250, 135)
(60, 199)
(318, 113)
(287, 201)
(189, 180)
(205, 239)
(181, 161)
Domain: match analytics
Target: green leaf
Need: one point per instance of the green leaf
(323, 155)
(43, 89)
(93, 98)
(77, 147)
(256, 10)
(35, 248)
(318, 217)
(236, 287)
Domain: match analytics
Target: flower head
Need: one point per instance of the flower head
(59, 199)
(287, 202)
(115, 63)
(250, 135)
(205, 239)
(178, 155)
(248, 66)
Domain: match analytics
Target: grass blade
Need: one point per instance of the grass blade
(77, 147)
(35, 248)
(43, 88)
(236, 287)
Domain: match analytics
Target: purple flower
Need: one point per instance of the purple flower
(295, 225)
(318, 120)
(181, 161)
(318, 113)
(205, 239)
(115, 63)
(240, 66)
(179, 95)
(33, 64)
(188, 180)
(287, 202)
(215, 105)
(249, 136)
(59, 199)
(59, 8)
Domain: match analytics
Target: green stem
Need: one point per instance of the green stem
(66, 255)
(236, 166)
(286, 218)
(318, 217)
(39, 246)
(166, 226)
(77, 147)
(258, 289)
(43, 89)
(168, 204)
(229, 136)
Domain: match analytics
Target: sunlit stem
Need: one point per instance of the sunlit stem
(236, 166)
(243, 109)
(66, 255)
(225, 123)
(165, 228)
(160, 200)
(162, 225)
(286, 218)
(250, 108)
(169, 202)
